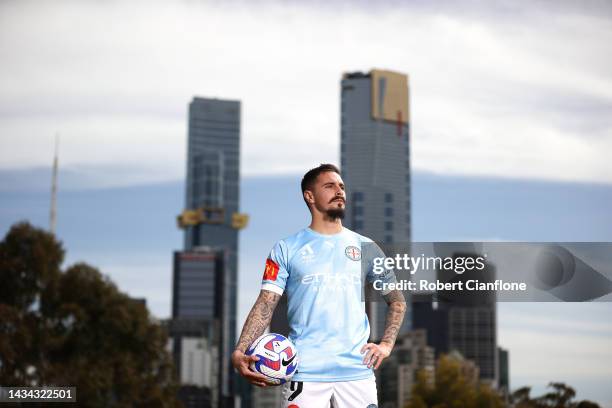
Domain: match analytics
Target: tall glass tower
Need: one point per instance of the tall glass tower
(211, 219)
(375, 163)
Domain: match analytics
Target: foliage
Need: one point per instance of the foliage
(451, 389)
(75, 328)
(561, 396)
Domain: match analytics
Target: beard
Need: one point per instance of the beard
(335, 213)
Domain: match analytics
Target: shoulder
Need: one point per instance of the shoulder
(359, 237)
(290, 243)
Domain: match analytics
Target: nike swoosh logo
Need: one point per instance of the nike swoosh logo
(287, 362)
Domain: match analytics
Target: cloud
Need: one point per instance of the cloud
(556, 341)
(510, 91)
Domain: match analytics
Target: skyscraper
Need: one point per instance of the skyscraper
(398, 374)
(462, 322)
(211, 222)
(375, 163)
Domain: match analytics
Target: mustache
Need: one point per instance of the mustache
(338, 198)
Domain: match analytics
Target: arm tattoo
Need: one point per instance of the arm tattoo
(395, 316)
(258, 319)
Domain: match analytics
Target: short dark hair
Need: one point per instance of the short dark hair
(311, 175)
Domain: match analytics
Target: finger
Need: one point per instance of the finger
(253, 375)
(374, 360)
(379, 362)
(368, 356)
(259, 383)
(252, 357)
(375, 355)
(365, 347)
(372, 357)
(247, 362)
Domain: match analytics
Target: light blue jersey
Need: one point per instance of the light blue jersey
(327, 319)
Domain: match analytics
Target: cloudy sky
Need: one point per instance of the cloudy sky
(511, 123)
(508, 90)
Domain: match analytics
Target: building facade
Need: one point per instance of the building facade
(398, 373)
(195, 348)
(462, 321)
(207, 288)
(375, 164)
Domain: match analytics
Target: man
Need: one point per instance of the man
(320, 268)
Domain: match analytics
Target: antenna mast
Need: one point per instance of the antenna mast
(53, 215)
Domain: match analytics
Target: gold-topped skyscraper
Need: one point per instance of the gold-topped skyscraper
(375, 163)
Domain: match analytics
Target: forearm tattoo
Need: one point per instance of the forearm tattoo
(258, 319)
(395, 316)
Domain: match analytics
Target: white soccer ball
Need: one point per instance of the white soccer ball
(278, 359)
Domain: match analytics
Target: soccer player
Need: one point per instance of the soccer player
(320, 269)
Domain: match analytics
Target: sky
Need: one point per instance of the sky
(487, 79)
(510, 133)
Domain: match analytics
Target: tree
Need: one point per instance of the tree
(451, 389)
(560, 397)
(75, 328)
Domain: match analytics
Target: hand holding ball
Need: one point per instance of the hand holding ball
(278, 359)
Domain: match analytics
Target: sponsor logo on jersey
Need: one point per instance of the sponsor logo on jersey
(353, 253)
(332, 282)
(271, 271)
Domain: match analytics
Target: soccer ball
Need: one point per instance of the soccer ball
(278, 357)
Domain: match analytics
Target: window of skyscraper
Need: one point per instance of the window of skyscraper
(388, 226)
(389, 212)
(357, 196)
(388, 198)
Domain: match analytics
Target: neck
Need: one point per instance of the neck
(325, 225)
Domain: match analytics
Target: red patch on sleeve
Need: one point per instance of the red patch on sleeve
(271, 271)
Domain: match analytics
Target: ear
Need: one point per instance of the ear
(309, 197)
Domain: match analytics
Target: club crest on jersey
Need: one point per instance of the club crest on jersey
(271, 271)
(353, 253)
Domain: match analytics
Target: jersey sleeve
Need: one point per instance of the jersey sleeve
(276, 270)
(375, 270)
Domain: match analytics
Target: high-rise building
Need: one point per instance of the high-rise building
(375, 163)
(199, 290)
(472, 319)
(398, 373)
(428, 315)
(462, 321)
(195, 347)
(503, 357)
(211, 221)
